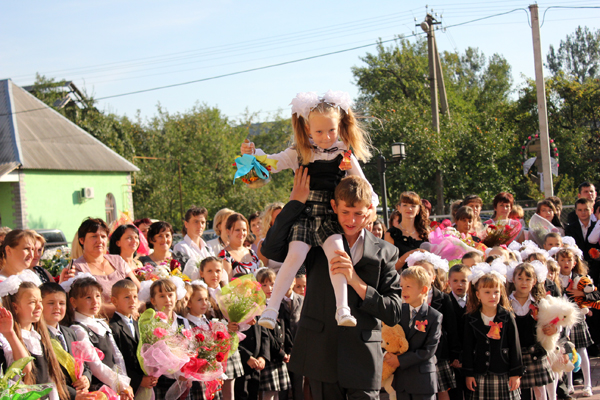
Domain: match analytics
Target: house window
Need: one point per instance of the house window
(110, 205)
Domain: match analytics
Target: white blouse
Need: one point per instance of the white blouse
(520, 310)
(200, 321)
(192, 250)
(289, 159)
(98, 368)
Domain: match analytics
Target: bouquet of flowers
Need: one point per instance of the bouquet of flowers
(161, 271)
(450, 244)
(539, 227)
(56, 259)
(162, 350)
(242, 299)
(212, 345)
(503, 232)
(11, 390)
(255, 171)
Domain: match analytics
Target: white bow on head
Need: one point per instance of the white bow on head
(305, 102)
(12, 284)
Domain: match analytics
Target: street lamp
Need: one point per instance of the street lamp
(398, 154)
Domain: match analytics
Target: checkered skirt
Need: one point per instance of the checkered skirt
(580, 335)
(198, 391)
(445, 375)
(492, 387)
(235, 368)
(317, 222)
(537, 372)
(274, 378)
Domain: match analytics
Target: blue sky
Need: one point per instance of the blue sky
(114, 47)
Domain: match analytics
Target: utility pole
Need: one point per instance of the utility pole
(541, 101)
(436, 82)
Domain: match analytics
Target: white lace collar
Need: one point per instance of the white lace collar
(32, 340)
(98, 326)
(200, 322)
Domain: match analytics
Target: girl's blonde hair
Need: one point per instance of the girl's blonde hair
(486, 281)
(54, 370)
(537, 292)
(180, 308)
(580, 266)
(553, 267)
(81, 287)
(220, 216)
(267, 217)
(351, 132)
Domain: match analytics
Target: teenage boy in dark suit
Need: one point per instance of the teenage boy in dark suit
(341, 362)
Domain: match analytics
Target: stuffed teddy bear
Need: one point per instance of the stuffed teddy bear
(394, 341)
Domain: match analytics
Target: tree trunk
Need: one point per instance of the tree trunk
(439, 189)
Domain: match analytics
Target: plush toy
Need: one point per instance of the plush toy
(584, 284)
(562, 313)
(568, 359)
(394, 341)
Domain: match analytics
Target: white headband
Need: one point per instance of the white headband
(541, 271)
(435, 260)
(497, 268)
(12, 284)
(305, 102)
(576, 250)
(69, 282)
(144, 293)
(199, 282)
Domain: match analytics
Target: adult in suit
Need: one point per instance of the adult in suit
(341, 362)
(66, 337)
(127, 341)
(580, 230)
(586, 190)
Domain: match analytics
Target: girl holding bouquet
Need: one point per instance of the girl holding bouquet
(83, 308)
(325, 129)
(274, 377)
(211, 269)
(24, 333)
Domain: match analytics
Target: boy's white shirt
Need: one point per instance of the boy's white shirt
(192, 250)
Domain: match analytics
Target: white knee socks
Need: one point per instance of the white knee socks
(297, 252)
(340, 285)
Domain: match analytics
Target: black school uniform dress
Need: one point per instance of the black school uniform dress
(403, 243)
(537, 368)
(68, 337)
(448, 348)
(580, 334)
(492, 361)
(274, 377)
(256, 344)
(198, 389)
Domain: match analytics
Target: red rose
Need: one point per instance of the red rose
(594, 253)
(220, 335)
(220, 357)
(174, 264)
(200, 337)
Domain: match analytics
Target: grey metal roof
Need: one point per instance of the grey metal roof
(38, 137)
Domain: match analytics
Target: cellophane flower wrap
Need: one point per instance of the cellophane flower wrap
(450, 244)
(56, 259)
(539, 227)
(162, 350)
(254, 171)
(164, 270)
(211, 345)
(11, 387)
(502, 232)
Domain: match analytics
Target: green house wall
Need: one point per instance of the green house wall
(6, 204)
(53, 202)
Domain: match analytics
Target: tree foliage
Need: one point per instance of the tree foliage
(577, 56)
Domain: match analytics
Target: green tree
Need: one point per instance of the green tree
(578, 55)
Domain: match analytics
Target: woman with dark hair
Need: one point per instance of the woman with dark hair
(143, 225)
(125, 241)
(503, 203)
(160, 238)
(547, 210)
(378, 229)
(413, 227)
(192, 244)
(106, 268)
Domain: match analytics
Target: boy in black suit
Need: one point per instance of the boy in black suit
(54, 300)
(341, 362)
(254, 349)
(124, 297)
(415, 376)
(459, 284)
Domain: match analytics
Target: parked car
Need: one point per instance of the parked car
(54, 237)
